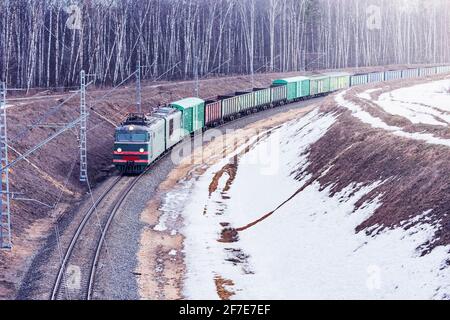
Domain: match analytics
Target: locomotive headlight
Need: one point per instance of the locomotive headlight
(131, 128)
(141, 150)
(119, 150)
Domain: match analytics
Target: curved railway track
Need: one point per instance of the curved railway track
(101, 214)
(86, 256)
(101, 242)
(82, 256)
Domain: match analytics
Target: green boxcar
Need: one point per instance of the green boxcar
(297, 87)
(193, 110)
(339, 80)
(320, 84)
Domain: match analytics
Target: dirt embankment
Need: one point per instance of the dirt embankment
(161, 275)
(414, 173)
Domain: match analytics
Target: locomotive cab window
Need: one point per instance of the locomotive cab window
(131, 137)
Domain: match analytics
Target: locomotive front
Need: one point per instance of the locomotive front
(132, 145)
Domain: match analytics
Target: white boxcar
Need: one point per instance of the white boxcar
(359, 79)
(279, 94)
(246, 100)
(230, 105)
(410, 73)
(443, 69)
(376, 77)
(262, 97)
(393, 75)
(427, 71)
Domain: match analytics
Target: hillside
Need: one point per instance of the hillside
(49, 178)
(349, 201)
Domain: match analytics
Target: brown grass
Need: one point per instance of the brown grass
(231, 170)
(415, 173)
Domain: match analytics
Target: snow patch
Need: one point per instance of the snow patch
(366, 94)
(427, 103)
(170, 208)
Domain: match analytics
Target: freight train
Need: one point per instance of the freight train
(141, 139)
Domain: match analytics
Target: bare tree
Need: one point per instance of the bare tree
(181, 39)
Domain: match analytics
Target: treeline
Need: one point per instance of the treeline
(45, 43)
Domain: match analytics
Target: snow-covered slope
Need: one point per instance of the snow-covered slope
(280, 219)
(427, 104)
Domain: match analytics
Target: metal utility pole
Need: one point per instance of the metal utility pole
(83, 129)
(5, 208)
(5, 230)
(138, 87)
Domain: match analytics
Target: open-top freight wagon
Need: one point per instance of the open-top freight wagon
(142, 138)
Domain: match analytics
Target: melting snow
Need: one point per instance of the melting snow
(401, 102)
(170, 208)
(308, 248)
(425, 103)
(366, 94)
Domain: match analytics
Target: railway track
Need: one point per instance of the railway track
(76, 275)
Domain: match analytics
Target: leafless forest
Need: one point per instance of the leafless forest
(45, 43)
